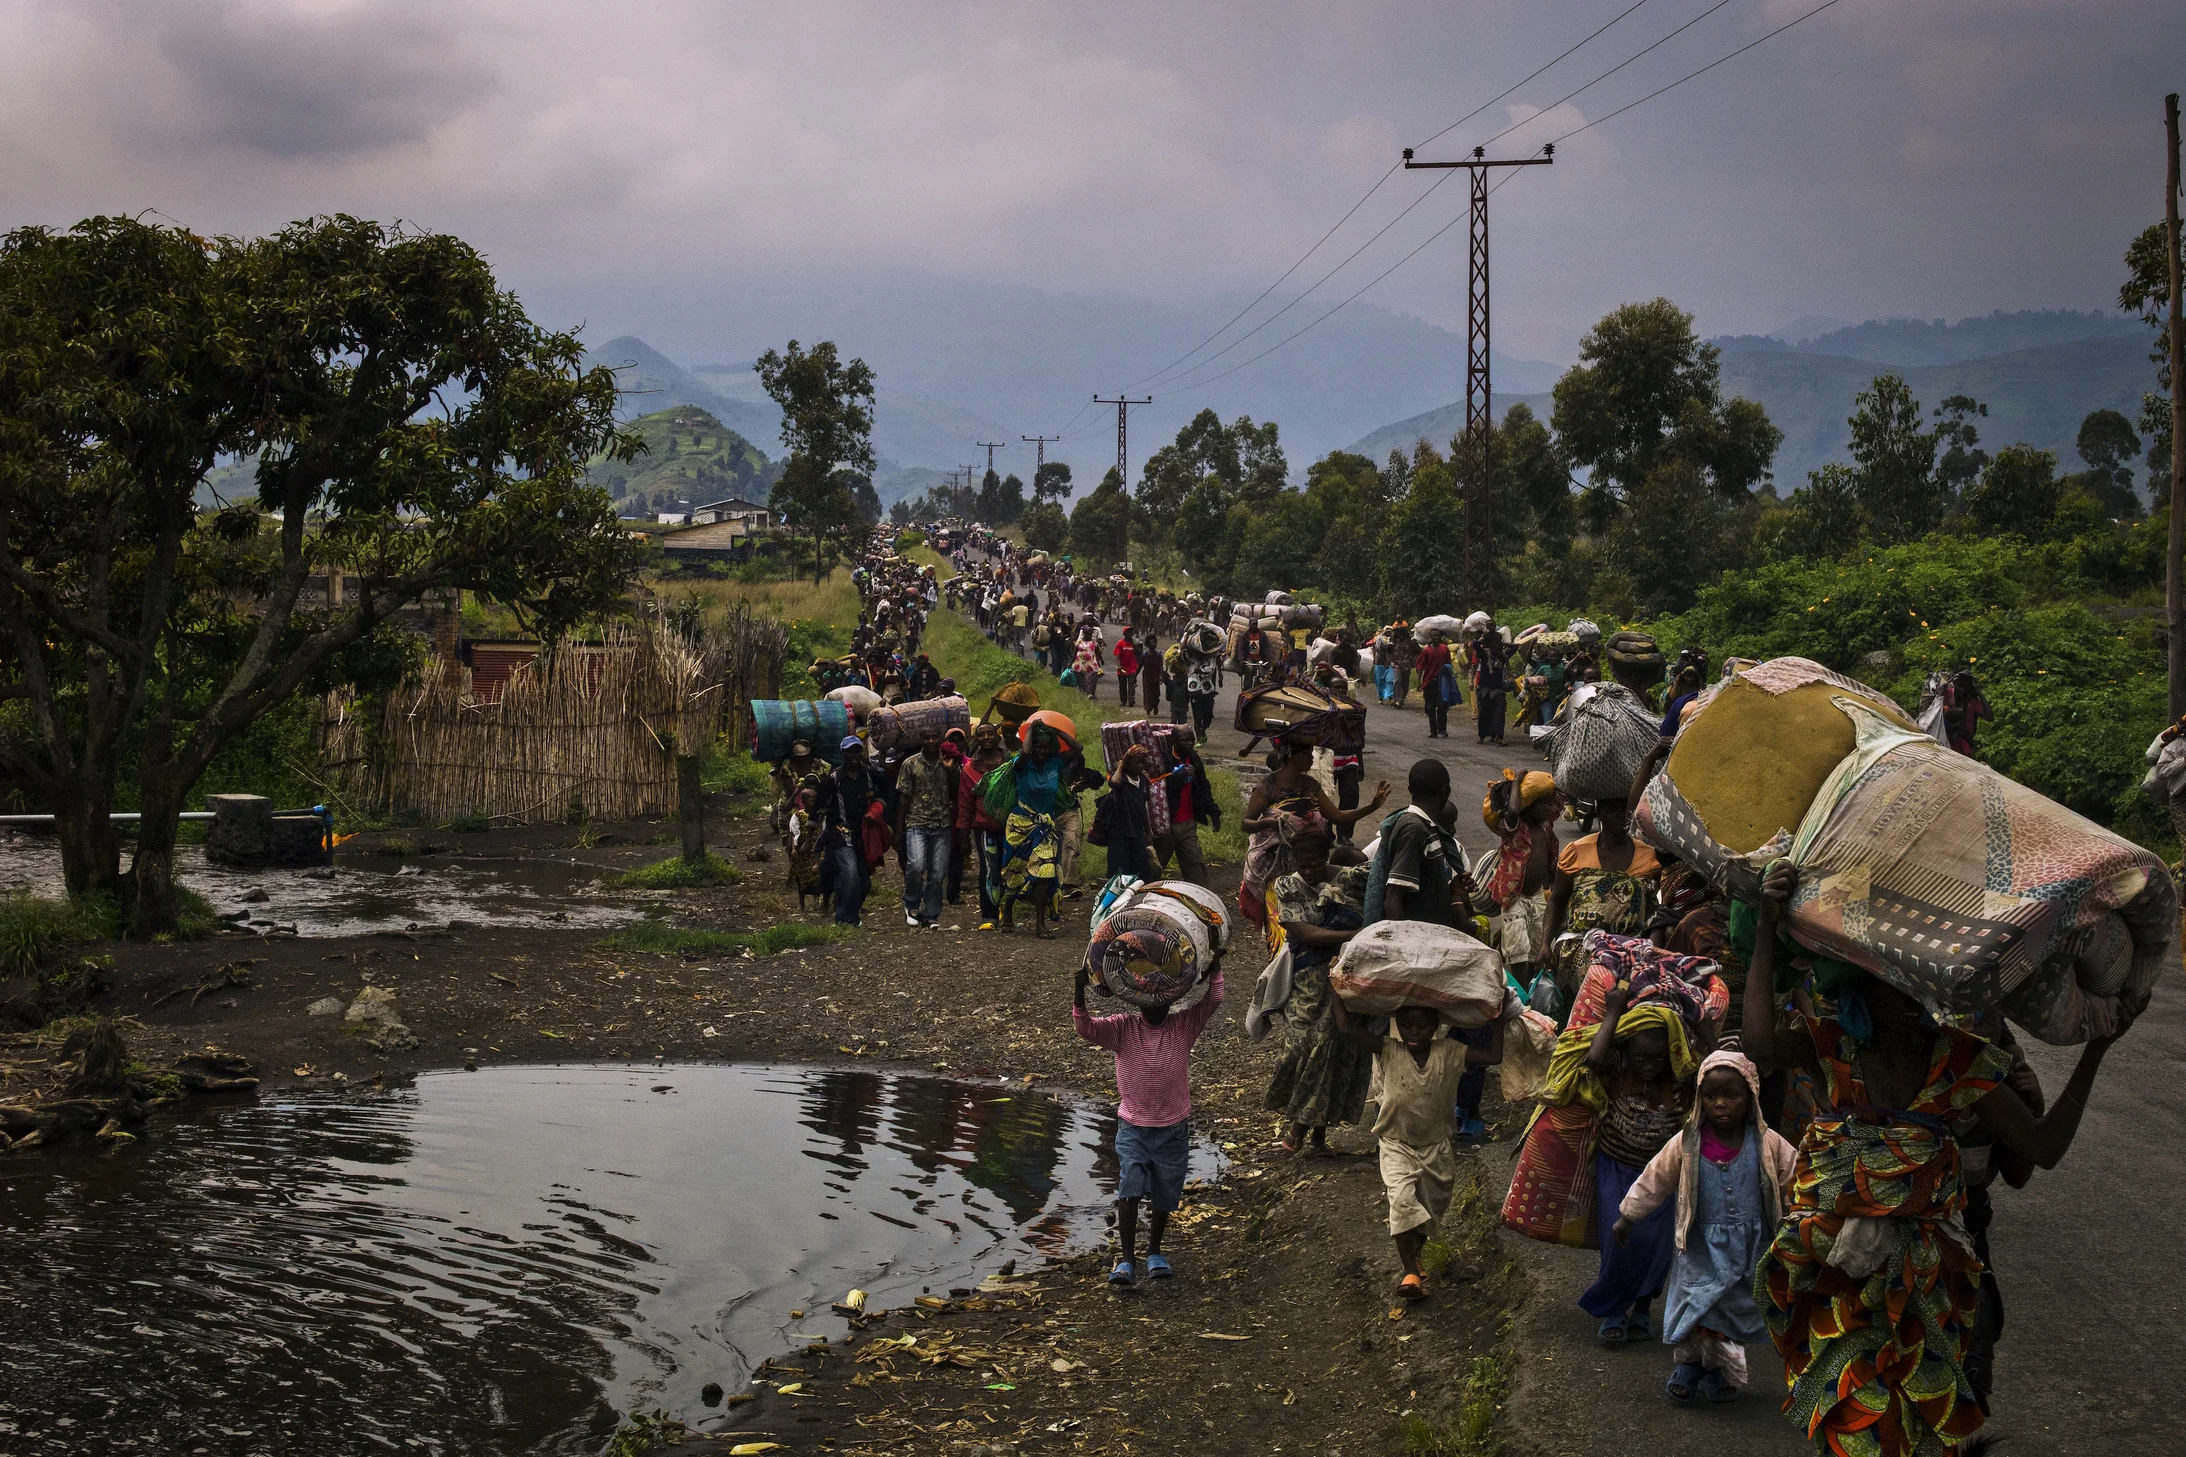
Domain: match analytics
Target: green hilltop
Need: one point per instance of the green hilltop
(689, 456)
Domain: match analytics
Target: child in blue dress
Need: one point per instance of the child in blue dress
(1731, 1175)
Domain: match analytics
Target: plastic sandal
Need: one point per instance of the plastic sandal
(1611, 1331)
(1157, 1267)
(1123, 1274)
(1636, 1328)
(1717, 1388)
(1679, 1388)
(1412, 1287)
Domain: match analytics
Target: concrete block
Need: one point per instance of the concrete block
(242, 831)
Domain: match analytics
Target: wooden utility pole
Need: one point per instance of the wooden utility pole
(2174, 597)
(1479, 404)
(1123, 404)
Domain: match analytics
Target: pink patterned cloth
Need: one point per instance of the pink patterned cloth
(1153, 1064)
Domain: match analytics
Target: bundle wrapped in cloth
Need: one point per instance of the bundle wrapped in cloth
(1202, 637)
(1443, 623)
(1605, 734)
(1301, 712)
(906, 725)
(858, 698)
(1157, 943)
(1961, 888)
(1634, 659)
(1118, 739)
(1394, 964)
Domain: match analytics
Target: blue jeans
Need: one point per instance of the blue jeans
(925, 871)
(850, 884)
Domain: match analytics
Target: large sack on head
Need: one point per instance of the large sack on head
(1301, 712)
(906, 725)
(1753, 751)
(1202, 637)
(1970, 892)
(1605, 734)
(778, 724)
(1157, 944)
(858, 698)
(1394, 964)
(1443, 623)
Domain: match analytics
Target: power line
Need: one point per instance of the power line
(1349, 213)
(1680, 81)
(1301, 298)
(1779, 30)
(1302, 257)
(1613, 70)
(1483, 106)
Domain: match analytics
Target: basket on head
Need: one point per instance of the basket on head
(1013, 703)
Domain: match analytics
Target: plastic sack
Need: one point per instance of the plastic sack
(1443, 623)
(1529, 1038)
(1394, 964)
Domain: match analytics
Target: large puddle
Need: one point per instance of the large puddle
(504, 1261)
(360, 894)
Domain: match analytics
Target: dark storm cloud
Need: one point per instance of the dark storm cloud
(326, 86)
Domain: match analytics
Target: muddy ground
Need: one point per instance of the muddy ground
(1280, 1333)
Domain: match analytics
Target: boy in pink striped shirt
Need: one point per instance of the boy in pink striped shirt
(1153, 1115)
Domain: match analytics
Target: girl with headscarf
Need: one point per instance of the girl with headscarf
(1729, 1175)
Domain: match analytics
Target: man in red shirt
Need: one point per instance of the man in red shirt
(1433, 688)
(1127, 670)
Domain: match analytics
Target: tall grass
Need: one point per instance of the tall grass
(663, 936)
(32, 929)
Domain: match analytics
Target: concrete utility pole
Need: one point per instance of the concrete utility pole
(2174, 594)
(1479, 407)
(989, 446)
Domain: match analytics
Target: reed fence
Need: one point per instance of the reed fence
(578, 732)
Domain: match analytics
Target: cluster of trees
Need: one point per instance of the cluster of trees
(412, 427)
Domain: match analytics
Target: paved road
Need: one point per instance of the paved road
(2091, 1255)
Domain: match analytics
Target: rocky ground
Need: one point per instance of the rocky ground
(1280, 1333)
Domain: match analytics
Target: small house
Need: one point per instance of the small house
(748, 516)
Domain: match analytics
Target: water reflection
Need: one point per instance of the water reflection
(360, 894)
(500, 1262)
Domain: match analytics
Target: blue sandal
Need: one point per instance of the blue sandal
(1679, 1388)
(1611, 1331)
(1123, 1274)
(1636, 1328)
(1717, 1388)
(1157, 1267)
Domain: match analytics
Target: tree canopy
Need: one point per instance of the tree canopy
(827, 425)
(410, 427)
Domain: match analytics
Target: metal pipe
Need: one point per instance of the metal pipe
(132, 817)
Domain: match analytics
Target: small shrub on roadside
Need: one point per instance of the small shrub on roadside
(676, 873)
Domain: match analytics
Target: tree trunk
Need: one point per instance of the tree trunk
(90, 848)
(155, 908)
(691, 809)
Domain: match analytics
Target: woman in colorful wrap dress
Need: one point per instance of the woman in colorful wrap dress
(1029, 841)
(1870, 1289)
(1605, 881)
(1322, 1077)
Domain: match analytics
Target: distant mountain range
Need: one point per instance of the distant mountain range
(2039, 372)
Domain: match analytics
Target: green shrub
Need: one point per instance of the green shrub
(677, 873)
(730, 769)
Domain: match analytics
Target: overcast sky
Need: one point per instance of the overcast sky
(1936, 159)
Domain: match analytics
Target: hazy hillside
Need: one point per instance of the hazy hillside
(1913, 343)
(1028, 361)
(689, 456)
(2038, 396)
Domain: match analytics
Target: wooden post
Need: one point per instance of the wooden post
(690, 805)
(2175, 588)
